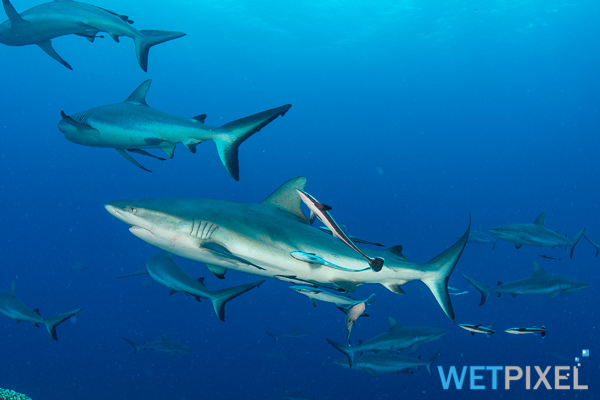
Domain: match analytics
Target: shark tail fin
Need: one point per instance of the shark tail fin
(235, 132)
(149, 38)
(136, 347)
(347, 350)
(52, 322)
(593, 244)
(575, 240)
(432, 359)
(221, 297)
(274, 336)
(483, 289)
(442, 267)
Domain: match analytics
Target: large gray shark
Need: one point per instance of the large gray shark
(387, 362)
(44, 22)
(133, 126)
(164, 345)
(540, 283)
(265, 234)
(14, 309)
(535, 234)
(162, 269)
(398, 337)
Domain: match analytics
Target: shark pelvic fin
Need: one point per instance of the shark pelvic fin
(138, 96)
(235, 132)
(217, 270)
(286, 198)
(46, 45)
(13, 15)
(131, 159)
(168, 150)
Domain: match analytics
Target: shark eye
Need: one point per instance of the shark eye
(132, 210)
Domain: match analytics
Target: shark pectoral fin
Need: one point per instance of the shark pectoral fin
(46, 45)
(131, 159)
(555, 294)
(236, 132)
(217, 270)
(221, 251)
(145, 153)
(312, 301)
(13, 15)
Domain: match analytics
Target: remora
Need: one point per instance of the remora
(264, 234)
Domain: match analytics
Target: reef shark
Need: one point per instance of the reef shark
(397, 337)
(162, 269)
(164, 345)
(539, 283)
(133, 126)
(388, 362)
(265, 234)
(44, 22)
(14, 309)
(535, 234)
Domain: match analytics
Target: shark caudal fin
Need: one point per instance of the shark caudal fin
(441, 267)
(52, 322)
(483, 289)
(576, 240)
(221, 297)
(432, 359)
(234, 133)
(149, 38)
(347, 350)
(136, 347)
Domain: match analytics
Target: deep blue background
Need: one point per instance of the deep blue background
(407, 115)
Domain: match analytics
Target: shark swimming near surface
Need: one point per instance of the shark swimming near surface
(397, 337)
(535, 234)
(540, 283)
(47, 21)
(14, 309)
(132, 126)
(164, 345)
(265, 234)
(164, 270)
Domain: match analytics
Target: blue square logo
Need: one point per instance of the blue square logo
(585, 353)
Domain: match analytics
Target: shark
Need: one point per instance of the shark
(540, 283)
(164, 270)
(295, 333)
(535, 234)
(527, 331)
(14, 309)
(44, 22)
(132, 126)
(593, 243)
(487, 330)
(480, 237)
(264, 234)
(397, 337)
(164, 345)
(388, 362)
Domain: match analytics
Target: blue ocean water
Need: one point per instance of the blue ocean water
(407, 117)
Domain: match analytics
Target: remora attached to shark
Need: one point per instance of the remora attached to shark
(133, 126)
(265, 234)
(162, 269)
(535, 234)
(44, 22)
(14, 309)
(539, 283)
(164, 345)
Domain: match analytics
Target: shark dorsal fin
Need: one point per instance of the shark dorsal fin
(540, 219)
(286, 198)
(139, 94)
(13, 15)
(537, 269)
(393, 323)
(12, 288)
